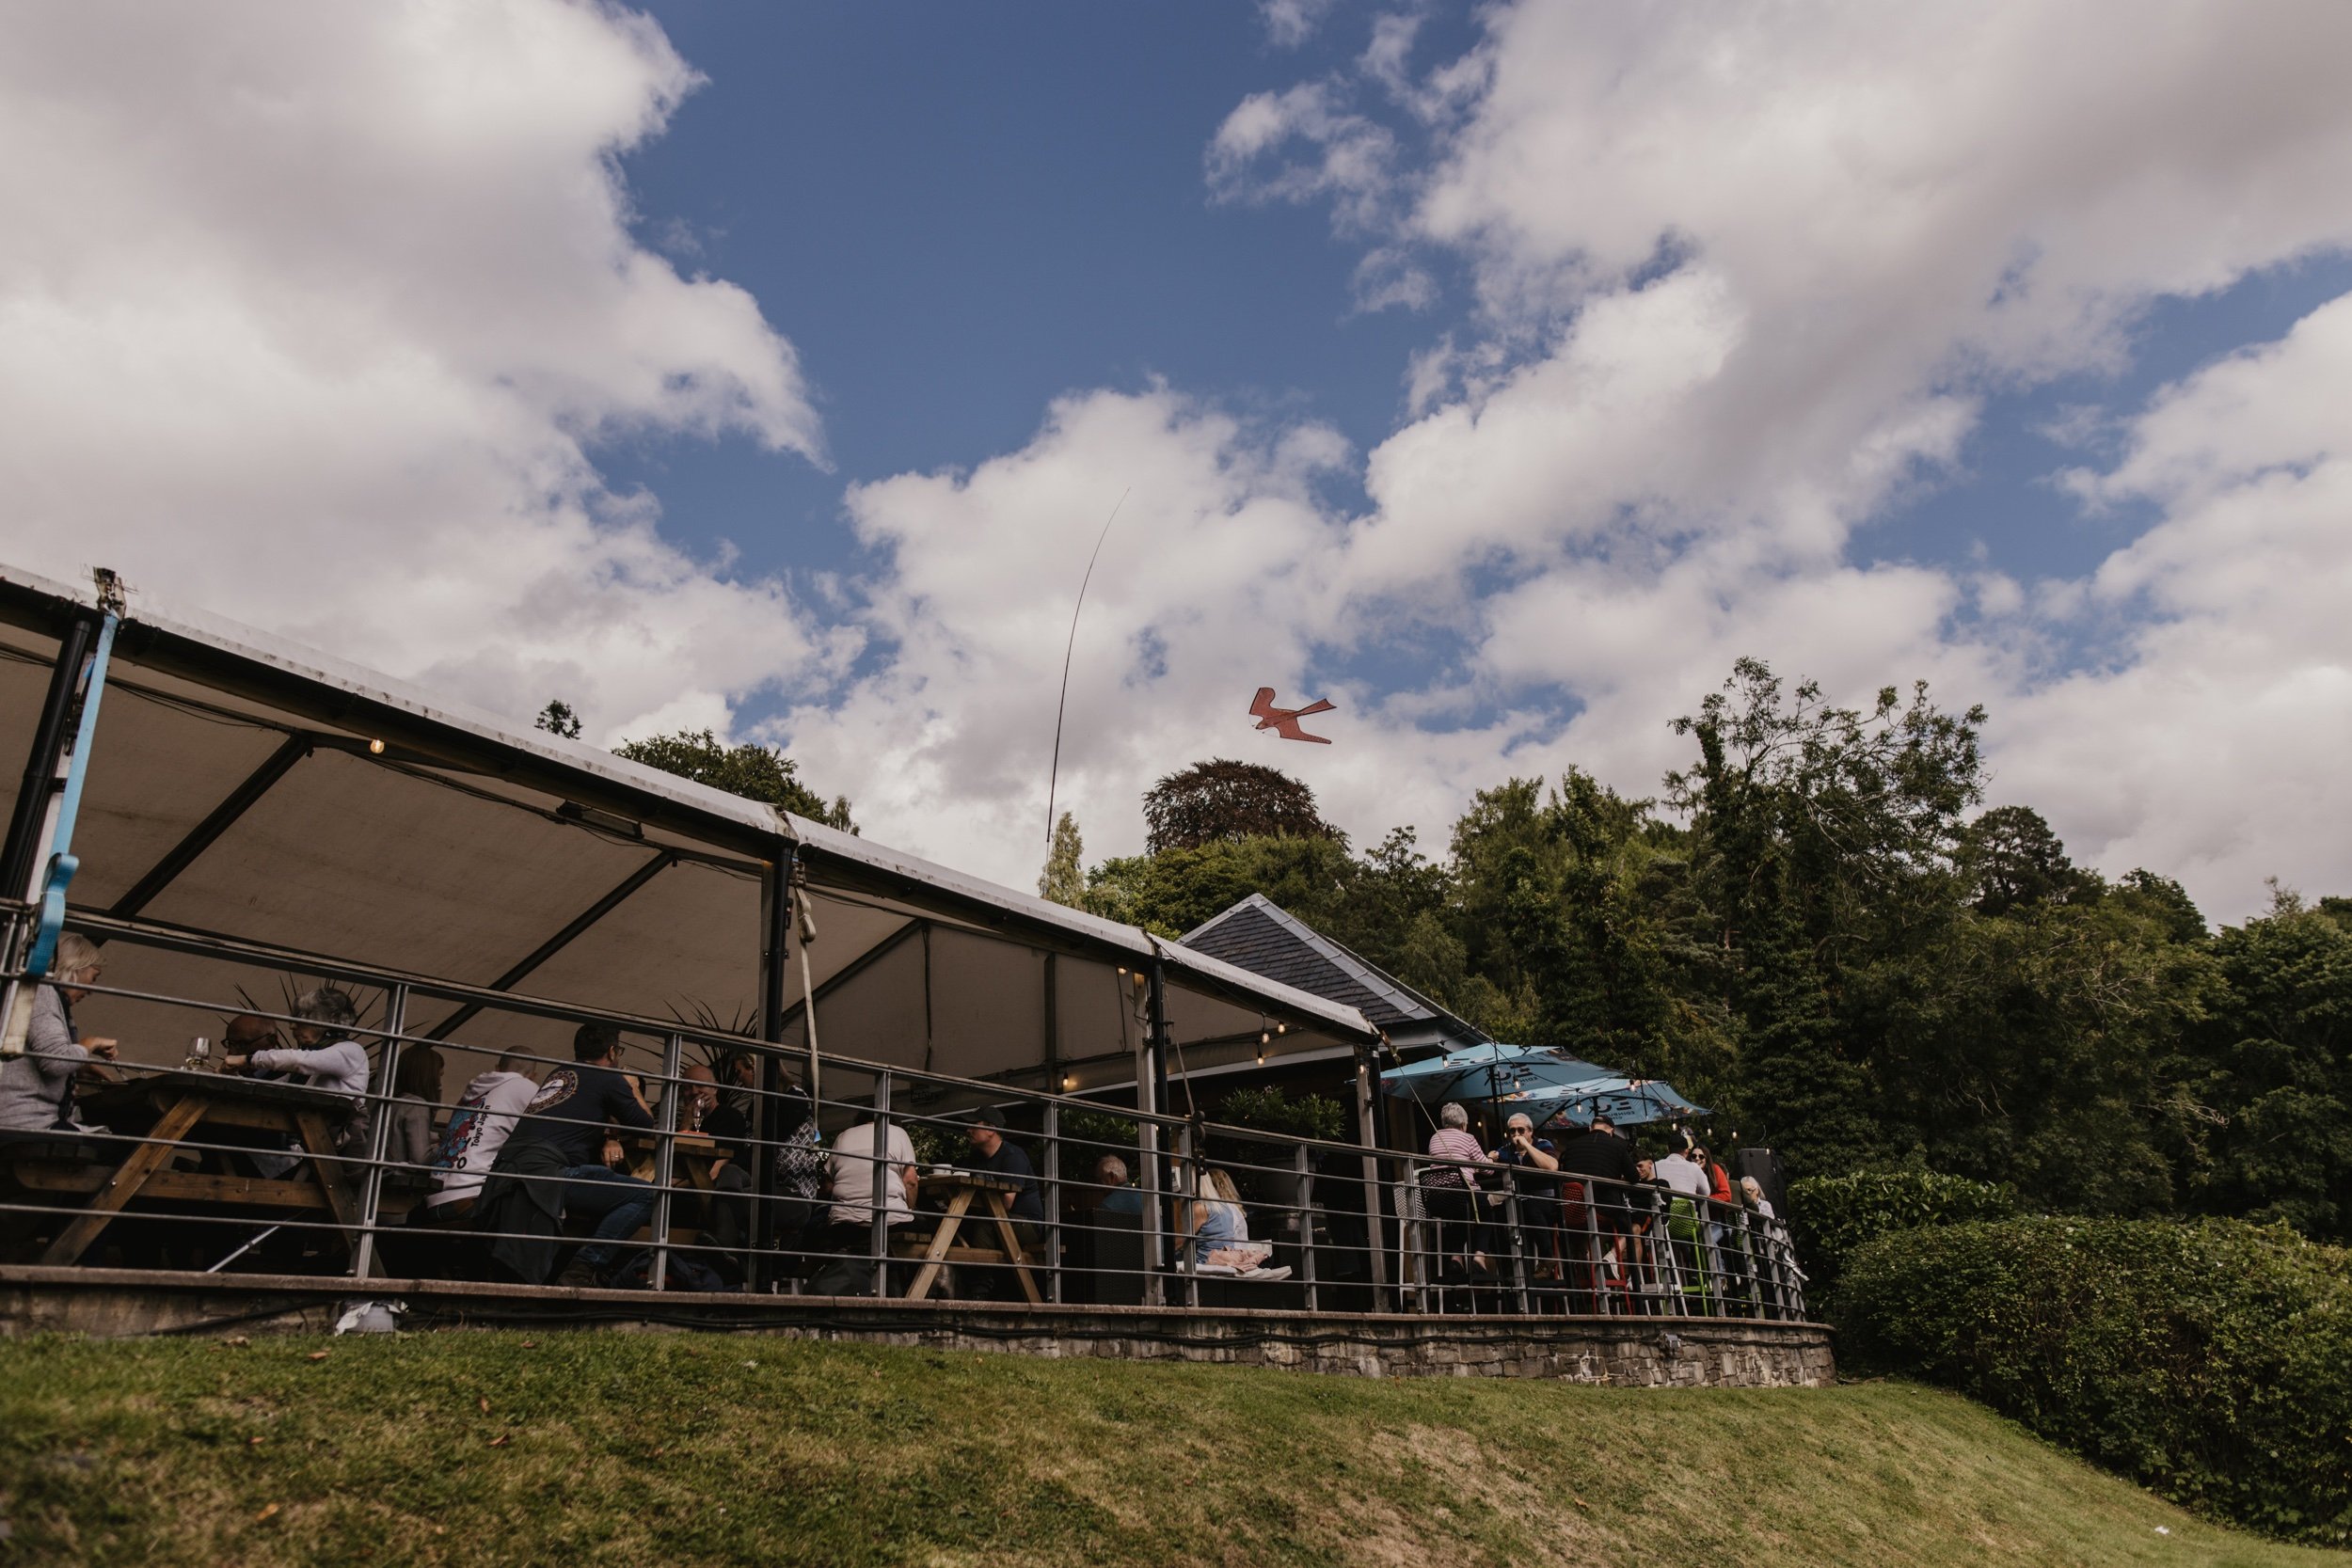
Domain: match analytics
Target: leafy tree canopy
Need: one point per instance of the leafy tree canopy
(1221, 802)
(752, 771)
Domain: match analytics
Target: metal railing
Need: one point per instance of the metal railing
(1330, 1229)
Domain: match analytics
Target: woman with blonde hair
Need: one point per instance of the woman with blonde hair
(1219, 1225)
(37, 1088)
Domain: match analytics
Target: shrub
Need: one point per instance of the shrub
(1829, 1216)
(2206, 1361)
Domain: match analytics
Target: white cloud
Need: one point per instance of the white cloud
(2218, 749)
(307, 313)
(1350, 157)
(1291, 23)
(1206, 589)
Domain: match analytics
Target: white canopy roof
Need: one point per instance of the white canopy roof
(252, 790)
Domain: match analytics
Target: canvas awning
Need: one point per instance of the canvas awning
(247, 789)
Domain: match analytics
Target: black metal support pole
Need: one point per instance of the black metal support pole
(1053, 1195)
(1303, 1194)
(775, 927)
(27, 822)
(1155, 1002)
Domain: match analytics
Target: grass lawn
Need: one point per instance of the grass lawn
(648, 1451)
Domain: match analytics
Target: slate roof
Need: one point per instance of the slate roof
(1258, 935)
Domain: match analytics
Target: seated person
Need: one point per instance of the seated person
(1112, 1192)
(241, 1036)
(996, 1157)
(991, 1154)
(559, 1161)
(1449, 1194)
(852, 1163)
(1212, 1215)
(416, 1095)
(725, 1212)
(37, 1088)
(477, 1130)
(324, 1056)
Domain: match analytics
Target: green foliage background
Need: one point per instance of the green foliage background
(2206, 1361)
(1830, 1217)
(1817, 931)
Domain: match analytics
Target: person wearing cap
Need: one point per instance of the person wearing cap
(992, 1154)
(996, 1157)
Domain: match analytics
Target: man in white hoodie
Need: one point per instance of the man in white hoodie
(477, 1130)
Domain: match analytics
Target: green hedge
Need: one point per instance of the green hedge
(2210, 1362)
(1829, 1216)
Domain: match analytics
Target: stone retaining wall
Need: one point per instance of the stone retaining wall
(1637, 1352)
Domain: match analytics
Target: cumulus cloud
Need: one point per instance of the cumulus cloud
(2218, 746)
(310, 315)
(1744, 281)
(1206, 589)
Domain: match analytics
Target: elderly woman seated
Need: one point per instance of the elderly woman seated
(37, 1088)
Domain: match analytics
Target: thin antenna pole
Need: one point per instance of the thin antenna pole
(1062, 703)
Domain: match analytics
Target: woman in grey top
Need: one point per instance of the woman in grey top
(37, 1088)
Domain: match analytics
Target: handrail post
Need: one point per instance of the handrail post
(1595, 1275)
(1187, 1245)
(1412, 1248)
(1519, 1252)
(879, 1240)
(665, 1155)
(1304, 1199)
(379, 1134)
(1375, 1211)
(1053, 1201)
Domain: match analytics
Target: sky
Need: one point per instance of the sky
(1501, 373)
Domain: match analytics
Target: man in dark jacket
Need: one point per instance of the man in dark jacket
(560, 1159)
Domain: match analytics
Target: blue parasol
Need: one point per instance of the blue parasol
(1487, 1072)
(1627, 1101)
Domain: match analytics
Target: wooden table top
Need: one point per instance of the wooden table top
(148, 1088)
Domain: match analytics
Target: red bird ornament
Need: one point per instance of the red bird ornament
(1284, 720)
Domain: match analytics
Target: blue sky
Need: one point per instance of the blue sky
(964, 212)
(1503, 372)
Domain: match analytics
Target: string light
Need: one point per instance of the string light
(376, 746)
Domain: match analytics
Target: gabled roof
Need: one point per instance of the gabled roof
(1258, 935)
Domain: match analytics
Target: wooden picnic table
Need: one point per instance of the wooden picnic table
(698, 1156)
(959, 1188)
(165, 1107)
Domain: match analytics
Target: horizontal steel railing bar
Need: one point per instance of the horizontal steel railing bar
(205, 946)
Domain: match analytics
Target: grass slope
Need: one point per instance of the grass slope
(609, 1448)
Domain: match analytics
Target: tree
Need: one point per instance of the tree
(2015, 859)
(2277, 1069)
(558, 719)
(752, 771)
(1222, 801)
(1064, 879)
(1828, 840)
(1176, 890)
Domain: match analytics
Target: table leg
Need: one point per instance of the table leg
(341, 1201)
(128, 1179)
(1015, 1253)
(942, 1238)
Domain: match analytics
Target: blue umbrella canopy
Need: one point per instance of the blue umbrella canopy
(1487, 1072)
(1627, 1101)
